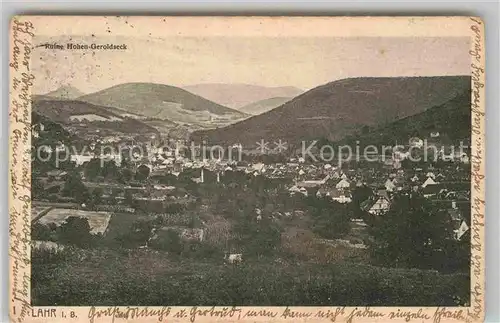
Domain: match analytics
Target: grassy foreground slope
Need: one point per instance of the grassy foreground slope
(141, 277)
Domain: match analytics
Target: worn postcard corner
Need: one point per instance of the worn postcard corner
(253, 169)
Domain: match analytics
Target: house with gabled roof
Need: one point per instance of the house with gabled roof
(461, 231)
(389, 185)
(297, 190)
(343, 184)
(366, 204)
(416, 142)
(432, 190)
(440, 177)
(464, 158)
(377, 205)
(340, 196)
(57, 174)
(381, 206)
(382, 192)
(429, 181)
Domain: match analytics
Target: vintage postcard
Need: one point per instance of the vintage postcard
(246, 169)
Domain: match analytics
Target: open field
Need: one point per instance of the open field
(38, 211)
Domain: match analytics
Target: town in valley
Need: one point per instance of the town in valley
(148, 193)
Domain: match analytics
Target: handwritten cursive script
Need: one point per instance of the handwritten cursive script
(477, 172)
(20, 167)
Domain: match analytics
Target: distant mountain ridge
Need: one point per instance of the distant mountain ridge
(340, 108)
(66, 92)
(160, 101)
(265, 105)
(237, 96)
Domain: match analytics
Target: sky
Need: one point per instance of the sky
(304, 62)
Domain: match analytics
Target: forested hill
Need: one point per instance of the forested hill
(452, 120)
(340, 108)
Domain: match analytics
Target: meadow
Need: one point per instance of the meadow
(146, 277)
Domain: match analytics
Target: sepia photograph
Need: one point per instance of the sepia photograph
(251, 167)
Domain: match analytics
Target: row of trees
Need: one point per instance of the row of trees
(109, 170)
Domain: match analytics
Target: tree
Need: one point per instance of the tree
(112, 197)
(138, 235)
(74, 187)
(75, 230)
(168, 241)
(110, 170)
(412, 234)
(129, 199)
(37, 189)
(125, 162)
(168, 179)
(331, 219)
(142, 173)
(126, 175)
(194, 221)
(238, 177)
(359, 195)
(257, 239)
(93, 168)
(41, 232)
(96, 196)
(185, 177)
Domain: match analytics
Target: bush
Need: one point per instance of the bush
(331, 219)
(41, 232)
(75, 231)
(137, 236)
(168, 240)
(199, 251)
